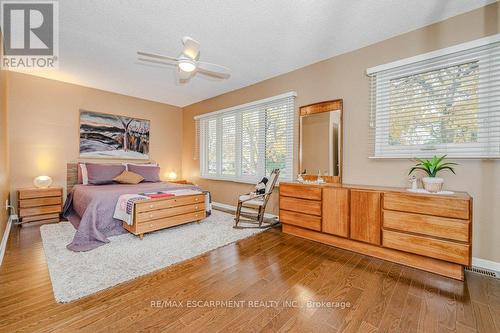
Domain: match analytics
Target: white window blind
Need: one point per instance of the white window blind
(443, 102)
(246, 142)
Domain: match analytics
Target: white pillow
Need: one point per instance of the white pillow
(151, 164)
(85, 175)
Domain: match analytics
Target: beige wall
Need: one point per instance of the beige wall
(4, 150)
(44, 120)
(344, 77)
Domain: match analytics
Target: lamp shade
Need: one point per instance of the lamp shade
(172, 175)
(42, 181)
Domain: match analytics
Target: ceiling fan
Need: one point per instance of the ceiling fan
(187, 63)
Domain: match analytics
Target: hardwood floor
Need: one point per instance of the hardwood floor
(271, 276)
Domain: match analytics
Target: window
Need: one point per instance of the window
(443, 102)
(247, 142)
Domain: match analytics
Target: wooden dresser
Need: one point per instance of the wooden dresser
(425, 231)
(39, 204)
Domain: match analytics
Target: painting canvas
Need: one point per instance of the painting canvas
(111, 136)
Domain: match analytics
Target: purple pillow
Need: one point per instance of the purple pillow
(148, 172)
(100, 174)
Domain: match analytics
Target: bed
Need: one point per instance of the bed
(90, 210)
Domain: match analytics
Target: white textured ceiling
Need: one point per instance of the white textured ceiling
(257, 39)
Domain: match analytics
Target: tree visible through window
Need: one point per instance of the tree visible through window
(436, 107)
(277, 148)
(250, 143)
(443, 102)
(212, 146)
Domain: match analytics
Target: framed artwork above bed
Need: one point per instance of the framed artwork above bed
(105, 135)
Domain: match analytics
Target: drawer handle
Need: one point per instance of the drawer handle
(150, 215)
(151, 206)
(196, 207)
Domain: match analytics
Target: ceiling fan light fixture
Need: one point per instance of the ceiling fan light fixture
(187, 65)
(187, 62)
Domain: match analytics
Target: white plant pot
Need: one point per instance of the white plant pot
(433, 184)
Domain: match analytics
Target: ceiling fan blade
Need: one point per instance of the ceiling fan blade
(213, 70)
(191, 48)
(157, 56)
(222, 76)
(160, 62)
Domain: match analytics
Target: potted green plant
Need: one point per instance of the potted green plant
(431, 168)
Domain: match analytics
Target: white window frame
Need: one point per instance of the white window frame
(261, 163)
(383, 79)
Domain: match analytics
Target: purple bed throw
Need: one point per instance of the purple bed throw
(90, 210)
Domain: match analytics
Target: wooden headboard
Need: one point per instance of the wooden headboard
(71, 176)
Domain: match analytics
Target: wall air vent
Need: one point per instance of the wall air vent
(483, 271)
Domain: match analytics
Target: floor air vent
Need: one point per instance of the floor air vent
(483, 271)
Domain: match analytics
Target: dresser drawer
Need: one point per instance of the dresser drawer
(26, 203)
(426, 246)
(54, 217)
(300, 220)
(168, 212)
(39, 210)
(300, 191)
(430, 205)
(169, 222)
(312, 207)
(442, 227)
(39, 193)
(146, 206)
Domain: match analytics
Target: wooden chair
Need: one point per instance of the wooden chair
(257, 203)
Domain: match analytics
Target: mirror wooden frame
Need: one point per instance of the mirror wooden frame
(326, 106)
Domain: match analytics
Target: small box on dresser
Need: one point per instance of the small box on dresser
(39, 204)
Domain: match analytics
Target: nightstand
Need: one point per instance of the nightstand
(39, 204)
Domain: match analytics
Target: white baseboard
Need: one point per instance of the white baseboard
(5, 238)
(487, 264)
(233, 209)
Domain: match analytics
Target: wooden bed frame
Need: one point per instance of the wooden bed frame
(155, 214)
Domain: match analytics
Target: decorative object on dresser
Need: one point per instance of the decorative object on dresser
(39, 204)
(431, 167)
(425, 231)
(164, 212)
(320, 141)
(42, 182)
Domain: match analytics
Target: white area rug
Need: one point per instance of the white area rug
(78, 274)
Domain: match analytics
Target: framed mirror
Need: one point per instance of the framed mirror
(320, 141)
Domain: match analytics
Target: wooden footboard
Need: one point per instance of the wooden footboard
(155, 214)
